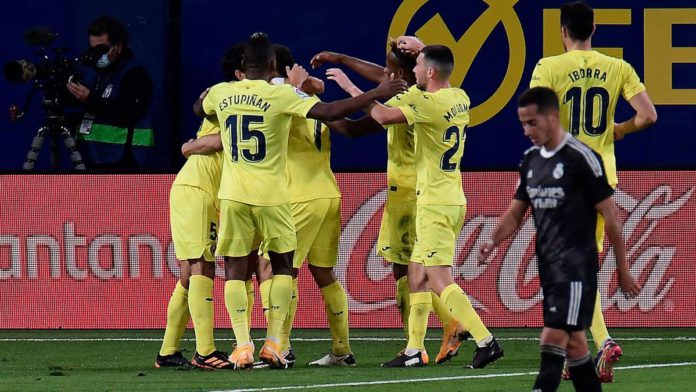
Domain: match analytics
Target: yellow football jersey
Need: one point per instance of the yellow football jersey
(254, 118)
(440, 120)
(203, 171)
(588, 85)
(401, 151)
(309, 162)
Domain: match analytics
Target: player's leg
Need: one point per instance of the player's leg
(279, 242)
(420, 304)
(582, 370)
(608, 351)
(264, 277)
(177, 316)
(249, 284)
(397, 235)
(552, 349)
(443, 224)
(236, 242)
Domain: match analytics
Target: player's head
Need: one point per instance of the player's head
(400, 63)
(283, 59)
(259, 57)
(577, 21)
(232, 62)
(435, 62)
(537, 109)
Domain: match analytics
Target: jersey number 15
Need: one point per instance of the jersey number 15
(246, 135)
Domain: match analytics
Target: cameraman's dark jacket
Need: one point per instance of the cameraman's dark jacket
(121, 135)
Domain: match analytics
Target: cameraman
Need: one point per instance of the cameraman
(116, 130)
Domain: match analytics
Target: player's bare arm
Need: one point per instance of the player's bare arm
(205, 145)
(339, 109)
(366, 69)
(343, 81)
(509, 222)
(613, 227)
(646, 115)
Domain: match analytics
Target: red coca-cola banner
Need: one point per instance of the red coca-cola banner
(96, 252)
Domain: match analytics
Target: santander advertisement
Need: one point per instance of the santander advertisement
(96, 252)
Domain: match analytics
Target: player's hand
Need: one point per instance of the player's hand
(186, 148)
(628, 285)
(204, 94)
(409, 44)
(297, 75)
(79, 91)
(338, 76)
(325, 57)
(485, 252)
(390, 87)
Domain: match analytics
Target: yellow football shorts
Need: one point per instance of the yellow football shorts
(437, 228)
(397, 233)
(318, 228)
(245, 227)
(193, 216)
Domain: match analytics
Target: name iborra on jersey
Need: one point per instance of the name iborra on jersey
(587, 73)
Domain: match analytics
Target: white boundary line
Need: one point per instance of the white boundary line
(478, 376)
(357, 339)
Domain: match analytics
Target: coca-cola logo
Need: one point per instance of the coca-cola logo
(514, 265)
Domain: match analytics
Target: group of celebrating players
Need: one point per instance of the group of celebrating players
(261, 164)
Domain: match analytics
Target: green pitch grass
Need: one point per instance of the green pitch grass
(123, 361)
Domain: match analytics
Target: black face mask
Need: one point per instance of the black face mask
(90, 56)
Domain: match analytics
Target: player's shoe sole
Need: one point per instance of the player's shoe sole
(334, 360)
(606, 358)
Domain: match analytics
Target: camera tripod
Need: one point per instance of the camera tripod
(53, 128)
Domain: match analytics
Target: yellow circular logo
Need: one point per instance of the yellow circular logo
(465, 49)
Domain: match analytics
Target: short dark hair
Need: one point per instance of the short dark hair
(406, 60)
(232, 61)
(258, 51)
(578, 18)
(543, 97)
(440, 57)
(112, 27)
(283, 59)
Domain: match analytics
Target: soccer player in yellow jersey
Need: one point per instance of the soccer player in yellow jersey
(588, 85)
(315, 203)
(440, 115)
(254, 199)
(194, 219)
(398, 227)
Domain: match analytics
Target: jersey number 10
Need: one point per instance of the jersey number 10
(246, 135)
(577, 101)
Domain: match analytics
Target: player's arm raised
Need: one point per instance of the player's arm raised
(509, 222)
(339, 109)
(207, 144)
(613, 227)
(646, 115)
(366, 69)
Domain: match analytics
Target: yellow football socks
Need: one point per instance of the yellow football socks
(421, 304)
(236, 304)
(402, 301)
(455, 299)
(249, 285)
(200, 301)
(177, 317)
(441, 310)
(265, 289)
(287, 325)
(336, 305)
(280, 297)
(598, 328)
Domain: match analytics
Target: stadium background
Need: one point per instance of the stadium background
(104, 242)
